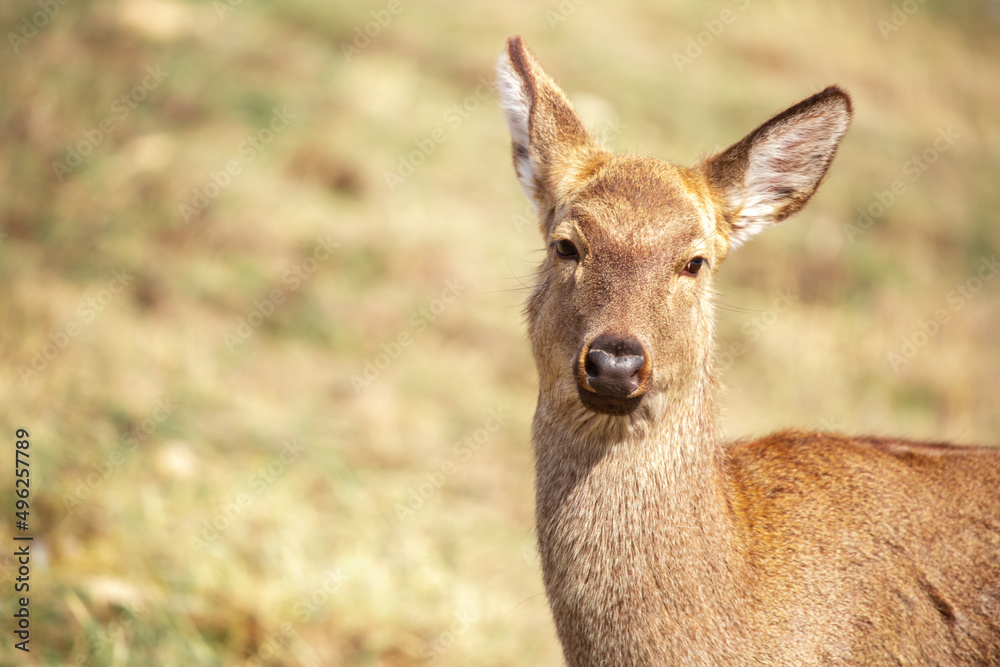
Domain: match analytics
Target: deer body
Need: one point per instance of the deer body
(662, 546)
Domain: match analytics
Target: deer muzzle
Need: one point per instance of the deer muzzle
(612, 373)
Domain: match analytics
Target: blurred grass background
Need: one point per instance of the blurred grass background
(211, 493)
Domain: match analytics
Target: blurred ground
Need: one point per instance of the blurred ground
(215, 215)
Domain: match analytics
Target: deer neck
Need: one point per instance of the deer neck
(637, 547)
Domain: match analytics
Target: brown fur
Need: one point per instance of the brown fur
(663, 546)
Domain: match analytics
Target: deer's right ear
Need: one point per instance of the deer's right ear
(551, 146)
(775, 169)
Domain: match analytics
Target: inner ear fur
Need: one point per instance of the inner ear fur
(773, 171)
(551, 148)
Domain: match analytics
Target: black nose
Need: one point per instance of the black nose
(615, 365)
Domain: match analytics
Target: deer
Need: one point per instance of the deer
(660, 544)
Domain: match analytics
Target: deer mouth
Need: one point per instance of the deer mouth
(608, 405)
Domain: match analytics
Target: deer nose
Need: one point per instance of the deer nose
(614, 365)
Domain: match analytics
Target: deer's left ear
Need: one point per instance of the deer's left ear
(773, 171)
(551, 146)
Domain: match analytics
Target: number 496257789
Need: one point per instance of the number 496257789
(23, 483)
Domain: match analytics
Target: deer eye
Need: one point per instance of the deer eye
(694, 266)
(566, 250)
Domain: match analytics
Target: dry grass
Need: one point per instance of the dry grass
(316, 563)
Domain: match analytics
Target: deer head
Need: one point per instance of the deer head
(621, 320)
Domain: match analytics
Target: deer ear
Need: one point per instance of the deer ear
(551, 146)
(774, 170)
